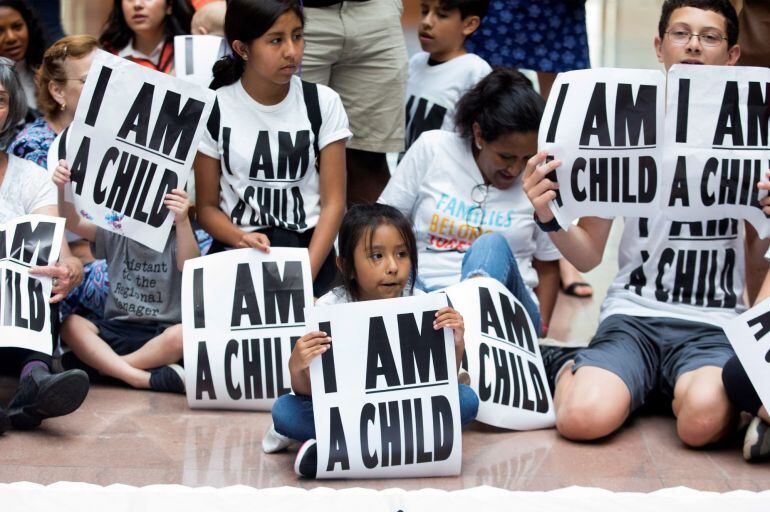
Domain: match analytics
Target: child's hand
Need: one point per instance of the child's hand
(254, 240)
(178, 203)
(307, 348)
(765, 202)
(449, 317)
(61, 175)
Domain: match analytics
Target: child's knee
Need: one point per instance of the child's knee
(469, 404)
(175, 337)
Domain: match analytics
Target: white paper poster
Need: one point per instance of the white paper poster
(194, 57)
(134, 138)
(385, 396)
(749, 335)
(242, 312)
(606, 127)
(503, 356)
(25, 314)
(717, 146)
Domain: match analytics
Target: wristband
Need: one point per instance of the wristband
(547, 227)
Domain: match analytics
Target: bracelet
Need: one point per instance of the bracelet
(547, 227)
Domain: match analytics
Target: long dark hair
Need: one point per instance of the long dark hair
(361, 221)
(116, 34)
(503, 102)
(36, 37)
(246, 20)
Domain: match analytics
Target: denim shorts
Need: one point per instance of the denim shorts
(651, 353)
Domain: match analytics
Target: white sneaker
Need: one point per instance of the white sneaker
(275, 442)
(756, 444)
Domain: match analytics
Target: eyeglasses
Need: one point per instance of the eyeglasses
(479, 195)
(710, 38)
(82, 80)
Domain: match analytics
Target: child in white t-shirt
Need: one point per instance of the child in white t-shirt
(440, 74)
(378, 260)
(257, 182)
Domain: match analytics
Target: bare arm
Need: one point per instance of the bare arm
(186, 244)
(74, 222)
(333, 186)
(211, 218)
(547, 287)
(582, 245)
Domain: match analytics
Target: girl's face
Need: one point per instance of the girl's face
(68, 93)
(276, 54)
(503, 159)
(382, 269)
(14, 37)
(145, 15)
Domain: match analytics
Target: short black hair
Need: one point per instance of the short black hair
(723, 7)
(467, 7)
(503, 102)
(360, 223)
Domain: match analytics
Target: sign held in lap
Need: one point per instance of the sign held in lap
(25, 316)
(385, 396)
(503, 356)
(242, 312)
(134, 138)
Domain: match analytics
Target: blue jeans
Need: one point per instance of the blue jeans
(293, 414)
(491, 256)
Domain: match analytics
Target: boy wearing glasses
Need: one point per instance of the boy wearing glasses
(649, 338)
(444, 70)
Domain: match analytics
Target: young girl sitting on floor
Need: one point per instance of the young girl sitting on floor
(378, 260)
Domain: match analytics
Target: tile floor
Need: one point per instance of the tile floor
(141, 438)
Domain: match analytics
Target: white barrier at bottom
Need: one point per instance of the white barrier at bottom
(81, 497)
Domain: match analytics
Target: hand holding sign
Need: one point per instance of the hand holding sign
(765, 202)
(307, 348)
(178, 203)
(540, 184)
(63, 278)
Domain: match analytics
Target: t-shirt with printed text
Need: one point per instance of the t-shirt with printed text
(433, 186)
(432, 91)
(268, 176)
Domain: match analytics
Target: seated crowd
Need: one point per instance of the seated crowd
(483, 157)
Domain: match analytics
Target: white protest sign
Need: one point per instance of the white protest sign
(25, 315)
(503, 356)
(717, 146)
(385, 396)
(749, 334)
(242, 312)
(194, 57)
(606, 127)
(134, 138)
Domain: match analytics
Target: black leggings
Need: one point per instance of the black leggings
(739, 388)
(327, 274)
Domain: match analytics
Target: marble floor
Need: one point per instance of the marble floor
(140, 438)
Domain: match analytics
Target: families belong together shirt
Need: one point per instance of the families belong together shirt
(432, 91)
(268, 176)
(433, 186)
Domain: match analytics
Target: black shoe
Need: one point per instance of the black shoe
(554, 359)
(168, 378)
(5, 422)
(42, 395)
(307, 459)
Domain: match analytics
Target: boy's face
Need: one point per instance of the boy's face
(695, 21)
(442, 32)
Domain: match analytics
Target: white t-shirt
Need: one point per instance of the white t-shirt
(433, 186)
(432, 92)
(339, 295)
(693, 271)
(24, 189)
(268, 176)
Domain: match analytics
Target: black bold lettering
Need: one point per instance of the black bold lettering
(338, 446)
(231, 352)
(729, 122)
(595, 123)
(379, 358)
(204, 383)
(138, 118)
(420, 346)
(175, 128)
(283, 292)
(244, 298)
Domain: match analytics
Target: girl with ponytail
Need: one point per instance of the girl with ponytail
(258, 178)
(464, 195)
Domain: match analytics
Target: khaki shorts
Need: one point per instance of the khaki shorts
(358, 49)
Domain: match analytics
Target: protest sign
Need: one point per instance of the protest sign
(749, 334)
(194, 57)
(385, 396)
(25, 315)
(503, 356)
(242, 312)
(605, 125)
(716, 147)
(134, 138)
